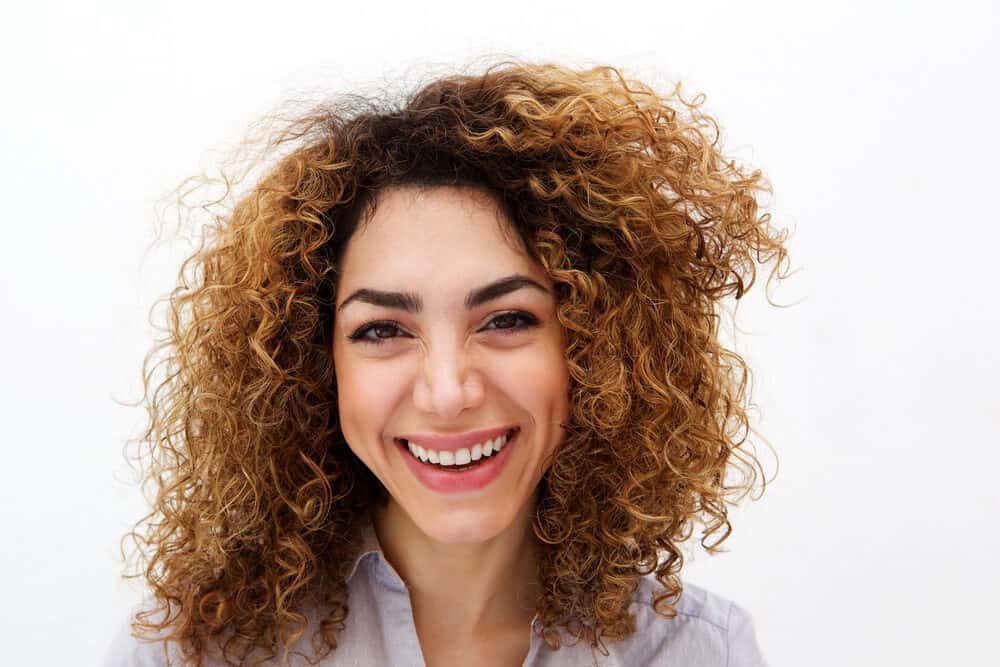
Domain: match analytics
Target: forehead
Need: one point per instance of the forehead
(445, 233)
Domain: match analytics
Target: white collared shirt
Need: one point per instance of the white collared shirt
(708, 630)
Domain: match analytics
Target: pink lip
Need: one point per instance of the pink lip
(454, 442)
(443, 480)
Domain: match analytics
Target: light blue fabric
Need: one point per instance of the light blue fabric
(708, 630)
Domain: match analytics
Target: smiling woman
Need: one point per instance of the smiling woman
(445, 388)
(451, 377)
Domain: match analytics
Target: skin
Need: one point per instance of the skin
(468, 559)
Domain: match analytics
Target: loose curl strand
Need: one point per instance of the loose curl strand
(644, 226)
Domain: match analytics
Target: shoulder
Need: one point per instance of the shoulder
(695, 603)
(709, 629)
(127, 650)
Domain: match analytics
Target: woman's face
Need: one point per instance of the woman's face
(434, 346)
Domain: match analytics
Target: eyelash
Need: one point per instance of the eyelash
(360, 333)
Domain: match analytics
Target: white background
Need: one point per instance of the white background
(877, 123)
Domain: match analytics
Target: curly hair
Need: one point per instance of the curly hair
(644, 226)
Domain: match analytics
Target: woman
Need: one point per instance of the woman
(444, 387)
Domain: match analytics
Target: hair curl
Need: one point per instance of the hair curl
(644, 226)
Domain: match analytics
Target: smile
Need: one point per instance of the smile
(463, 458)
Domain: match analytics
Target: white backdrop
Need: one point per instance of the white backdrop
(876, 122)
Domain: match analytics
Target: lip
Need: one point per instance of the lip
(446, 481)
(451, 443)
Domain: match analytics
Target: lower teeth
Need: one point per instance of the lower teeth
(465, 467)
(457, 468)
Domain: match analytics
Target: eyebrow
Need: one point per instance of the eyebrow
(412, 303)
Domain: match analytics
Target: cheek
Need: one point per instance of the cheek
(364, 399)
(540, 382)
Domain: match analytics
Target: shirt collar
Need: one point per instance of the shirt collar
(368, 545)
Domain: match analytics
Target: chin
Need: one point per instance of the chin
(465, 526)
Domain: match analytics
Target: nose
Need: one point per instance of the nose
(448, 381)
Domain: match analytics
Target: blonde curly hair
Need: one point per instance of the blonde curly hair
(643, 225)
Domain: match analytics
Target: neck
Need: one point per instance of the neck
(464, 587)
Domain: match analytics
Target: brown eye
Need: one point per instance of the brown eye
(383, 331)
(508, 322)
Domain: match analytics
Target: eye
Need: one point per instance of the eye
(507, 322)
(383, 331)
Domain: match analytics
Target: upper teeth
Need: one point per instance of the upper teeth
(458, 457)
